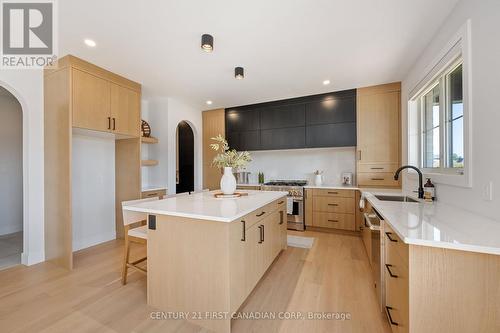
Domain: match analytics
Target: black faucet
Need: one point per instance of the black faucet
(420, 178)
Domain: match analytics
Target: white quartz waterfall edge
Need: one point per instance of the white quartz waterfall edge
(299, 241)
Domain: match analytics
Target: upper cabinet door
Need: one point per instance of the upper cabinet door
(91, 101)
(125, 111)
(331, 111)
(378, 127)
(283, 116)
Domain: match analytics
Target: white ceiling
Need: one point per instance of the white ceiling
(286, 47)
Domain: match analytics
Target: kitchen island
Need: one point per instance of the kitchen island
(206, 254)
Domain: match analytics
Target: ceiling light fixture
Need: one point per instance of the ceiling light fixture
(209, 102)
(90, 42)
(326, 82)
(239, 73)
(207, 43)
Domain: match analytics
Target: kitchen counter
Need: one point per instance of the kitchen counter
(437, 224)
(332, 187)
(205, 206)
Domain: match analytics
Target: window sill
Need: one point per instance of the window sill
(443, 178)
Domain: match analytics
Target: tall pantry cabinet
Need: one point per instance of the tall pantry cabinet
(79, 96)
(378, 135)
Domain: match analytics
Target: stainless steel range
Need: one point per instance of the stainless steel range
(295, 200)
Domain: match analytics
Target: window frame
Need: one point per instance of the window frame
(455, 54)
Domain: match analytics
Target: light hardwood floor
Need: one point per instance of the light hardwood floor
(11, 246)
(333, 276)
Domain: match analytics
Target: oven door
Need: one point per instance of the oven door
(295, 217)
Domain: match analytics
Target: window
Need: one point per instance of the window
(441, 115)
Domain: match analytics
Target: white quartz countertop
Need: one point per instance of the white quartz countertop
(206, 207)
(437, 224)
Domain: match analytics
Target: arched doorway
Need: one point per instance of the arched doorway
(185, 158)
(11, 179)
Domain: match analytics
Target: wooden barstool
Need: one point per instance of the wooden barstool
(136, 231)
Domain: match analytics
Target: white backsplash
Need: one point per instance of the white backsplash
(301, 164)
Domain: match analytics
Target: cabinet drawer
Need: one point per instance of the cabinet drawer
(378, 167)
(333, 193)
(377, 179)
(154, 193)
(333, 205)
(334, 220)
(397, 297)
(263, 212)
(394, 245)
(248, 187)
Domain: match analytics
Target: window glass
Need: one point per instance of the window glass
(455, 119)
(431, 128)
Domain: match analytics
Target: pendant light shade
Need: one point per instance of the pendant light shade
(239, 73)
(207, 43)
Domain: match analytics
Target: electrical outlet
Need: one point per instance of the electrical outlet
(488, 191)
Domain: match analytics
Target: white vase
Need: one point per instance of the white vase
(228, 182)
(318, 181)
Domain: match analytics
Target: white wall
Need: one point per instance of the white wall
(11, 166)
(27, 87)
(301, 164)
(164, 114)
(485, 67)
(93, 190)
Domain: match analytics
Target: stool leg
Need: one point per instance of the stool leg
(125, 261)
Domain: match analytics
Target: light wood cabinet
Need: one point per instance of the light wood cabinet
(330, 208)
(125, 106)
(378, 134)
(213, 125)
(80, 95)
(91, 101)
(101, 104)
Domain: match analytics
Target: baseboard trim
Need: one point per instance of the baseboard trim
(94, 240)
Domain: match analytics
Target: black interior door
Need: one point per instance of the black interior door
(185, 157)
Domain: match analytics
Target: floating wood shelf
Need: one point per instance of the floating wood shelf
(150, 140)
(149, 162)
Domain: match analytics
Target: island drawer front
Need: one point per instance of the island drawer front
(153, 193)
(378, 167)
(334, 220)
(377, 179)
(262, 213)
(395, 245)
(334, 193)
(334, 205)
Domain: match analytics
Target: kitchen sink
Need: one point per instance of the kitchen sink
(398, 198)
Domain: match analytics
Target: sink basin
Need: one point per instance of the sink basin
(398, 198)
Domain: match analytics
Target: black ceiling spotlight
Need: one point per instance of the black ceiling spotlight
(207, 43)
(239, 73)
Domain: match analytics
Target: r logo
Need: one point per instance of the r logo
(27, 28)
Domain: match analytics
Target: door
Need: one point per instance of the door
(185, 158)
(378, 128)
(91, 102)
(239, 244)
(255, 255)
(125, 110)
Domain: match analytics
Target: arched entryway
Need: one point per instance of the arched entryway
(185, 158)
(11, 179)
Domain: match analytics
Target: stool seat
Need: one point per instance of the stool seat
(139, 232)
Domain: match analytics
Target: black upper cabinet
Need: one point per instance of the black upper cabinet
(331, 111)
(282, 116)
(326, 120)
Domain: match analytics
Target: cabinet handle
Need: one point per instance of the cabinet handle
(263, 233)
(333, 192)
(281, 218)
(259, 215)
(109, 123)
(377, 168)
(388, 311)
(377, 178)
(244, 232)
(279, 203)
(389, 270)
(333, 205)
(333, 220)
(359, 153)
(153, 195)
(388, 234)
(114, 124)
(260, 234)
